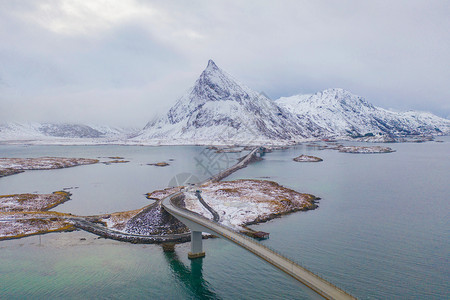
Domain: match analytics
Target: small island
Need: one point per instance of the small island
(353, 149)
(307, 158)
(248, 201)
(116, 161)
(22, 224)
(26, 214)
(159, 164)
(32, 202)
(11, 166)
(364, 150)
(236, 204)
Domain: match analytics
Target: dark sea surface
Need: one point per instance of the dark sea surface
(381, 230)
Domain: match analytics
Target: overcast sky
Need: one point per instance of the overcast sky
(121, 62)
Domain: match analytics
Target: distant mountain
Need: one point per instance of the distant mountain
(219, 109)
(339, 113)
(62, 132)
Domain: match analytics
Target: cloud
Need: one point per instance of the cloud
(143, 55)
(71, 17)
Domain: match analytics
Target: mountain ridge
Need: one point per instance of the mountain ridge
(15, 131)
(339, 113)
(218, 109)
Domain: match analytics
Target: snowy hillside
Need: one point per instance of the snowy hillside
(64, 133)
(218, 109)
(339, 113)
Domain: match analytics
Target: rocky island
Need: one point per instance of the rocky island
(26, 214)
(238, 203)
(307, 158)
(352, 149)
(32, 202)
(248, 201)
(364, 149)
(10, 166)
(159, 164)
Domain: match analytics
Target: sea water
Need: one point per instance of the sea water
(381, 229)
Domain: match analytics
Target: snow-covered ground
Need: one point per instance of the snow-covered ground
(237, 202)
(8, 166)
(32, 202)
(16, 225)
(368, 150)
(242, 202)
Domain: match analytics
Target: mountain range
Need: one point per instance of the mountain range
(220, 110)
(48, 133)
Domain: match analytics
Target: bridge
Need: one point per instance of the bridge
(199, 224)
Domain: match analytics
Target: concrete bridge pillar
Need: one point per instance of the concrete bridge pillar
(196, 245)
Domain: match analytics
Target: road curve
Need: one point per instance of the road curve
(317, 284)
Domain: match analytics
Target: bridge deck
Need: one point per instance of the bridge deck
(319, 285)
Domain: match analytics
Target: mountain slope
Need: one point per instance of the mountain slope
(61, 132)
(339, 113)
(220, 109)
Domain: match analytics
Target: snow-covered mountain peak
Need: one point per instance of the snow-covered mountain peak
(219, 104)
(213, 85)
(212, 66)
(338, 112)
(330, 98)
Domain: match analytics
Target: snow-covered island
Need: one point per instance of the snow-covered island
(364, 149)
(238, 203)
(10, 166)
(32, 202)
(247, 201)
(307, 158)
(115, 161)
(26, 214)
(159, 164)
(349, 149)
(21, 224)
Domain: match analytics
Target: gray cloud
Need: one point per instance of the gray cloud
(121, 62)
